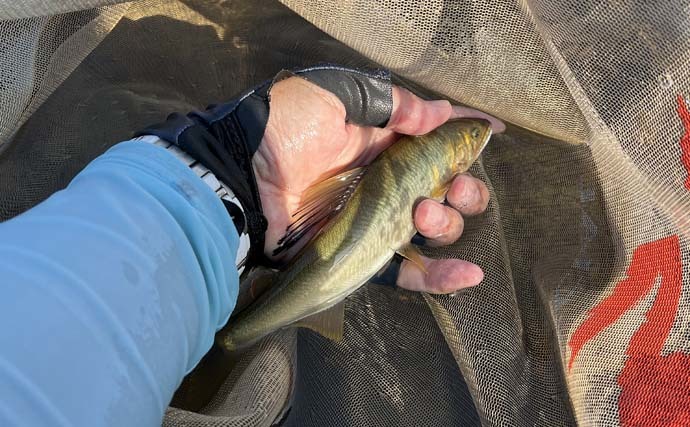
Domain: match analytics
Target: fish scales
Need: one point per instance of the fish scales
(360, 240)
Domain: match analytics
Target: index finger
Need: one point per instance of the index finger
(411, 115)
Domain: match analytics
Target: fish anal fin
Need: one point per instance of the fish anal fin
(411, 253)
(328, 323)
(320, 203)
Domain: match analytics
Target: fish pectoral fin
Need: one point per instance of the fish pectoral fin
(328, 323)
(320, 203)
(411, 253)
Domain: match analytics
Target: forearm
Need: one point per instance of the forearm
(113, 289)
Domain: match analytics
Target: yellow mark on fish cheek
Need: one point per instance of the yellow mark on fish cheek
(449, 151)
(467, 150)
(437, 174)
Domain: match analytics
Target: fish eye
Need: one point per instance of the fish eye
(475, 133)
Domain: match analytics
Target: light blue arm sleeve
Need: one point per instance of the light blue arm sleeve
(111, 291)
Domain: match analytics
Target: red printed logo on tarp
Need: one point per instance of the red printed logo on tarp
(655, 388)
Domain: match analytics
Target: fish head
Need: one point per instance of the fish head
(467, 138)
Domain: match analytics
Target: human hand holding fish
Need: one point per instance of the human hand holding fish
(335, 171)
(308, 139)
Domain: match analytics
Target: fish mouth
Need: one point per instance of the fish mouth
(483, 140)
(486, 136)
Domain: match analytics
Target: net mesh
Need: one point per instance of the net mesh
(584, 313)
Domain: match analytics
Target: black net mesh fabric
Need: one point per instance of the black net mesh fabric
(583, 316)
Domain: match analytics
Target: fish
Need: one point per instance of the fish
(367, 213)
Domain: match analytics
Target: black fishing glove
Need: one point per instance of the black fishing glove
(225, 137)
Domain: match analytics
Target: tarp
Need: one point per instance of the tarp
(584, 313)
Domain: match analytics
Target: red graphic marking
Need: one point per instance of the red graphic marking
(655, 389)
(684, 115)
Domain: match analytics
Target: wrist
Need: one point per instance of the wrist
(223, 192)
(218, 141)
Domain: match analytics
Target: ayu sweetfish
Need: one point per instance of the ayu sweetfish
(374, 222)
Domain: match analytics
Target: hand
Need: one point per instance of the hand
(307, 140)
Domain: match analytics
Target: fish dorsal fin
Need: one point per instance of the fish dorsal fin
(320, 203)
(410, 252)
(328, 323)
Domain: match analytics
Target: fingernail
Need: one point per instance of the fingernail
(439, 105)
(497, 126)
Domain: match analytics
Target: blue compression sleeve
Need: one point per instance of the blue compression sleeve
(112, 290)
